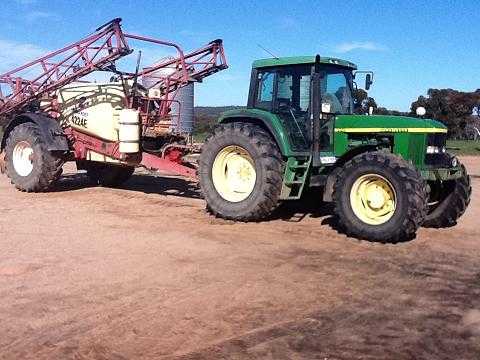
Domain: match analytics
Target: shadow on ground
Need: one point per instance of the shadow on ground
(294, 211)
(311, 205)
(144, 183)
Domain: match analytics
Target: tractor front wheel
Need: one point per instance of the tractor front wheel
(240, 172)
(448, 201)
(379, 196)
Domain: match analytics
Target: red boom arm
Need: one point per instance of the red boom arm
(63, 66)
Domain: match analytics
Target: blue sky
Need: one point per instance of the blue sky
(410, 45)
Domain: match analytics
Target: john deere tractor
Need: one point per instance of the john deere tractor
(386, 175)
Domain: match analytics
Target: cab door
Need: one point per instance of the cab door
(331, 96)
(292, 104)
(285, 92)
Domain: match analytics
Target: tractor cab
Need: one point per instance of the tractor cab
(300, 89)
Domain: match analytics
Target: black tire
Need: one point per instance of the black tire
(410, 191)
(268, 163)
(454, 200)
(108, 175)
(47, 165)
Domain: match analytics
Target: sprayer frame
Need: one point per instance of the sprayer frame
(100, 51)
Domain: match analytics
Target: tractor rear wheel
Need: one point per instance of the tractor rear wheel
(108, 175)
(379, 196)
(448, 201)
(29, 164)
(241, 172)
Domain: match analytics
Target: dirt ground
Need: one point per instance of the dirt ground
(144, 273)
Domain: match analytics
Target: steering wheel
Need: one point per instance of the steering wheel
(284, 104)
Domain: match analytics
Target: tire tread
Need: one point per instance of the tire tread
(51, 166)
(271, 161)
(416, 197)
(454, 206)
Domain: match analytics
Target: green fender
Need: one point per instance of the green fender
(267, 120)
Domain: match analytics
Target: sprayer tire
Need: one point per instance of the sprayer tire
(29, 164)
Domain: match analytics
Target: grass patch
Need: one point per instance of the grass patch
(464, 147)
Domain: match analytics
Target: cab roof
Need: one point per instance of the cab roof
(295, 60)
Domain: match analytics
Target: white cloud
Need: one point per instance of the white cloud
(13, 54)
(358, 45)
(33, 16)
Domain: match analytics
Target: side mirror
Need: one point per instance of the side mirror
(368, 81)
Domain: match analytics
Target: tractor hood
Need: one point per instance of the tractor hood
(386, 123)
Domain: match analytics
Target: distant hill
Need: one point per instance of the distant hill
(206, 116)
(214, 110)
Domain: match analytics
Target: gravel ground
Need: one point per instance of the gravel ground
(144, 272)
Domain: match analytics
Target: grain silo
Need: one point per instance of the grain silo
(185, 96)
(183, 106)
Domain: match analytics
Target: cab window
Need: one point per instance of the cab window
(265, 90)
(285, 91)
(336, 91)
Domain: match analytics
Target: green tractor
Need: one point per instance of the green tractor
(386, 175)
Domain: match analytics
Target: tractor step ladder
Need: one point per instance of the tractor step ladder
(296, 172)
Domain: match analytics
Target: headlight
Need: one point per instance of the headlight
(436, 149)
(454, 161)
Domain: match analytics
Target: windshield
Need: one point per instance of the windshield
(293, 89)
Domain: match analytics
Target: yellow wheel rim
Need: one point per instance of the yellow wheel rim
(233, 173)
(373, 199)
